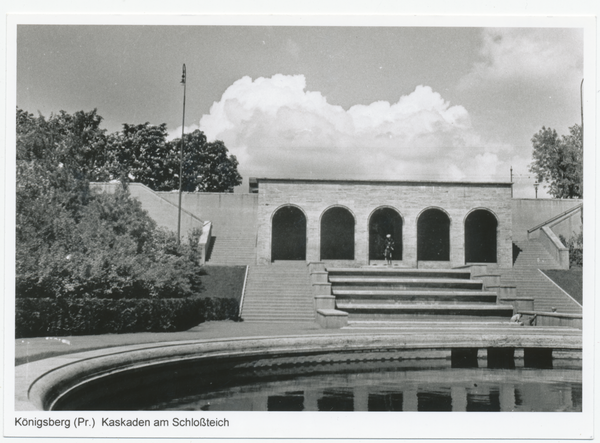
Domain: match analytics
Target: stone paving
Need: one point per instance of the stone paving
(33, 349)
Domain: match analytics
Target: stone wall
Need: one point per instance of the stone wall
(362, 198)
(231, 213)
(530, 212)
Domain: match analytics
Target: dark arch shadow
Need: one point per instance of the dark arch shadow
(516, 251)
(433, 236)
(288, 240)
(337, 234)
(481, 237)
(385, 221)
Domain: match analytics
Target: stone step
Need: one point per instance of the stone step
(248, 256)
(272, 294)
(401, 272)
(426, 322)
(402, 288)
(250, 315)
(277, 305)
(418, 296)
(279, 314)
(277, 271)
(238, 250)
(474, 323)
(276, 320)
(545, 293)
(233, 261)
(287, 301)
(275, 293)
(278, 293)
(288, 263)
(271, 307)
(355, 310)
(406, 283)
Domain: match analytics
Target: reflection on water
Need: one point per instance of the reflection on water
(452, 389)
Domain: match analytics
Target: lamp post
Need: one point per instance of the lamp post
(535, 185)
(183, 82)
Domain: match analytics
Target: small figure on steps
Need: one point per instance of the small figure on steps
(389, 249)
(517, 319)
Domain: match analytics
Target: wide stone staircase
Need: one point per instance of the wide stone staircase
(372, 294)
(278, 293)
(377, 295)
(546, 295)
(530, 259)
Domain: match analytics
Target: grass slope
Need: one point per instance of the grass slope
(571, 281)
(223, 282)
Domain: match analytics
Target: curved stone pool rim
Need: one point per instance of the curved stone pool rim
(41, 384)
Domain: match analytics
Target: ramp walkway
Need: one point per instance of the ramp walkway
(531, 254)
(231, 248)
(233, 243)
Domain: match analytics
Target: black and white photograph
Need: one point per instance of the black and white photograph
(285, 227)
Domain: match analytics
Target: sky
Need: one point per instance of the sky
(392, 103)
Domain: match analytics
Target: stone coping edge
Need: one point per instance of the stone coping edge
(515, 297)
(255, 181)
(552, 314)
(39, 384)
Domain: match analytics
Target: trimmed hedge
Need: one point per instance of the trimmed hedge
(39, 317)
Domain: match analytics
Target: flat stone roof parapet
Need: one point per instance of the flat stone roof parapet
(254, 182)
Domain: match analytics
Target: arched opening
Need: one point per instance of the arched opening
(288, 234)
(385, 221)
(337, 235)
(480, 237)
(433, 236)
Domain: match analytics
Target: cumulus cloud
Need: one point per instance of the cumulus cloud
(277, 128)
(534, 56)
(176, 133)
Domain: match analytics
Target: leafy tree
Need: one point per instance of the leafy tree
(207, 167)
(76, 145)
(75, 142)
(558, 161)
(141, 153)
(575, 245)
(72, 242)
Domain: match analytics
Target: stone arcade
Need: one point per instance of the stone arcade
(434, 224)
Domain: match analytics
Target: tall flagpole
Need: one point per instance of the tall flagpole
(183, 81)
(581, 101)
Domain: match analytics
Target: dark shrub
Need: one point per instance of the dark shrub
(39, 317)
(575, 245)
(113, 250)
